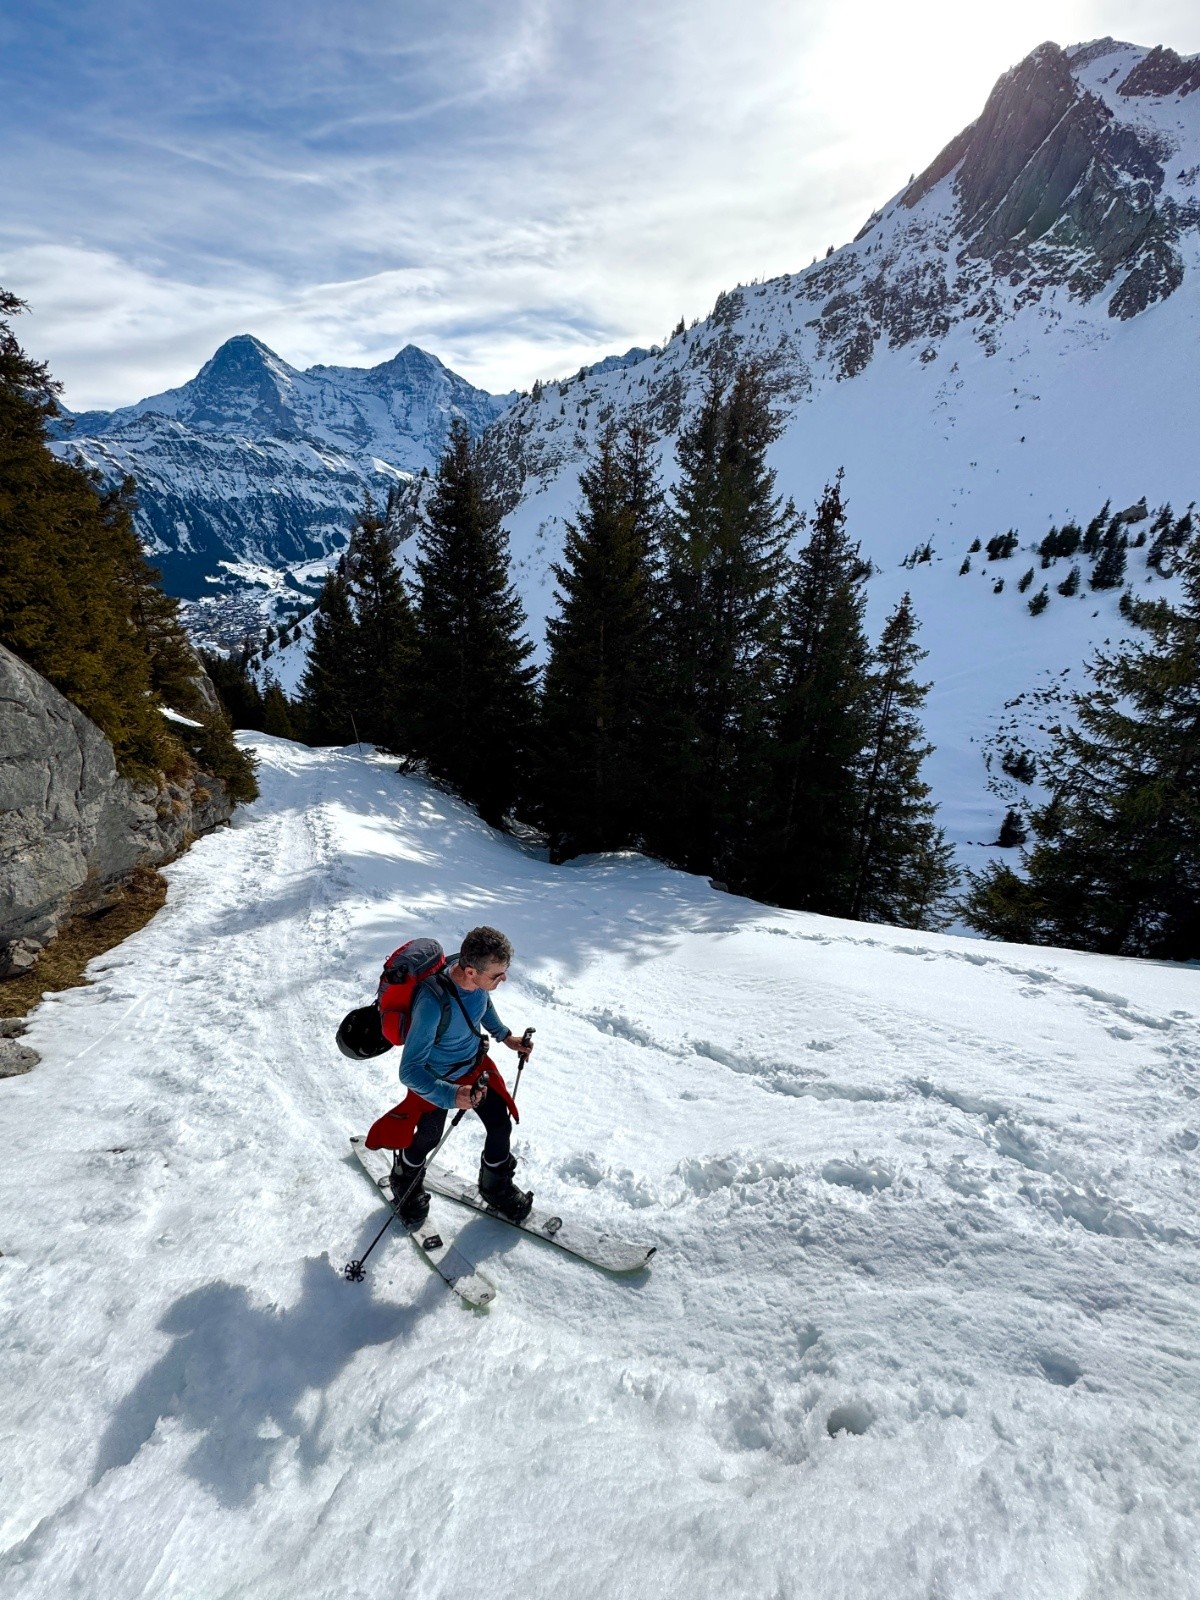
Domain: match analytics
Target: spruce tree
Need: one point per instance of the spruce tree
(329, 686)
(715, 627)
(592, 727)
(821, 721)
(1109, 571)
(1115, 865)
(384, 639)
(238, 692)
(903, 868)
(477, 699)
(276, 713)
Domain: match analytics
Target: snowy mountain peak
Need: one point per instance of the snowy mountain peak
(255, 464)
(243, 383)
(1162, 72)
(1050, 159)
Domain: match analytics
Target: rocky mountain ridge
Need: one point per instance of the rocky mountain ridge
(1010, 344)
(254, 464)
(1075, 195)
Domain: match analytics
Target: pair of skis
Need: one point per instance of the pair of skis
(604, 1250)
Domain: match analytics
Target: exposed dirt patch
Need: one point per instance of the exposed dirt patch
(81, 939)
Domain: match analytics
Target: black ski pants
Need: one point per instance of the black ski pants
(491, 1111)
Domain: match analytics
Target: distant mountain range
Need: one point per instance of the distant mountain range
(256, 465)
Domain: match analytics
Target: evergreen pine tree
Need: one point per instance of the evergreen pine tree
(330, 682)
(1116, 862)
(903, 865)
(1039, 602)
(1093, 534)
(1109, 571)
(1012, 830)
(821, 720)
(384, 650)
(477, 690)
(79, 602)
(715, 627)
(595, 684)
(276, 713)
(238, 692)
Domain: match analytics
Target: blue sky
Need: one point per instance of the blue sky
(518, 188)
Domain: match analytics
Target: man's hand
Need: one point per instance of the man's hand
(516, 1042)
(469, 1096)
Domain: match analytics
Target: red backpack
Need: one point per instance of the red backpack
(403, 973)
(370, 1030)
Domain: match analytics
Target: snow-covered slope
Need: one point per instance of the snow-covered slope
(1009, 343)
(922, 1320)
(256, 464)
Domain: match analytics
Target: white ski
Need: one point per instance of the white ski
(432, 1238)
(606, 1250)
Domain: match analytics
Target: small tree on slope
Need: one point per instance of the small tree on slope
(384, 647)
(820, 724)
(477, 691)
(903, 863)
(1116, 862)
(715, 627)
(593, 703)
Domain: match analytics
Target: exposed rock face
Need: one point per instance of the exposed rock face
(1162, 72)
(1052, 188)
(14, 1058)
(72, 829)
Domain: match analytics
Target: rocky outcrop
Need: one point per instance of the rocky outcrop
(15, 1058)
(1162, 72)
(72, 829)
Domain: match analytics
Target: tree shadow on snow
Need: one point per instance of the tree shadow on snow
(237, 1372)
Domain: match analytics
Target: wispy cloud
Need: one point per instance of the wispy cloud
(520, 188)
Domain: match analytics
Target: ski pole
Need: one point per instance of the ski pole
(523, 1057)
(353, 1271)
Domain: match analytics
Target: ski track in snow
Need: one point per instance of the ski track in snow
(921, 1322)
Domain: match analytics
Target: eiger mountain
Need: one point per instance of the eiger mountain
(260, 465)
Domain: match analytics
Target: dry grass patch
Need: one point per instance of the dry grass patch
(82, 939)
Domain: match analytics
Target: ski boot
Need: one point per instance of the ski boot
(409, 1194)
(501, 1193)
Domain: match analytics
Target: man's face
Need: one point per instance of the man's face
(490, 977)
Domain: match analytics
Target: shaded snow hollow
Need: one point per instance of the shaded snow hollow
(922, 1320)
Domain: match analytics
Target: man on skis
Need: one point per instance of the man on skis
(445, 1064)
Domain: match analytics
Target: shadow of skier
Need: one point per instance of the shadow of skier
(237, 1373)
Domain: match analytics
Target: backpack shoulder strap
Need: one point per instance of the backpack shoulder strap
(448, 990)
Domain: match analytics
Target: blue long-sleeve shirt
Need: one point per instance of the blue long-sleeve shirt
(431, 1066)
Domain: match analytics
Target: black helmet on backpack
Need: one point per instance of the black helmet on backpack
(361, 1035)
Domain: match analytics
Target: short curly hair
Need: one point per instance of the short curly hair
(485, 947)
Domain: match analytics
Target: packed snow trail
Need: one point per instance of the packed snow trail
(921, 1321)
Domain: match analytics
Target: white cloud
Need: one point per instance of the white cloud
(519, 189)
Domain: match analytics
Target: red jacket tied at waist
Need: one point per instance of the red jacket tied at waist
(394, 1130)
